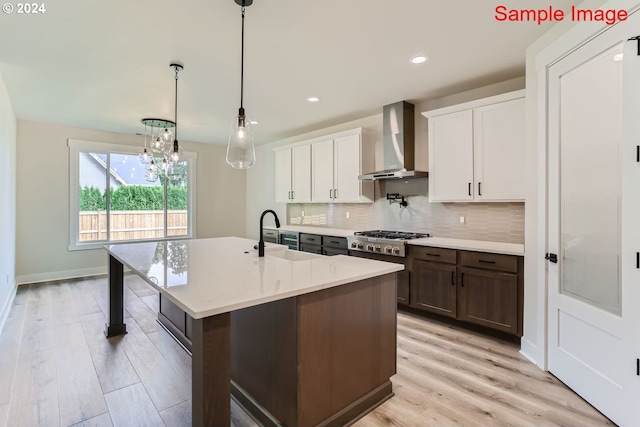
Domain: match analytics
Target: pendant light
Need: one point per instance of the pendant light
(161, 153)
(241, 153)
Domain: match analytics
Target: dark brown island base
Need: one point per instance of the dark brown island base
(317, 351)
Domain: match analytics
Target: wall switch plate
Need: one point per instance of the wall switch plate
(348, 215)
(461, 219)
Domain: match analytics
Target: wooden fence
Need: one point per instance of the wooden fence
(131, 225)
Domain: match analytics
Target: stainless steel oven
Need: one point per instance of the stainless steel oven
(290, 239)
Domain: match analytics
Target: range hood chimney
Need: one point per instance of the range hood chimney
(398, 130)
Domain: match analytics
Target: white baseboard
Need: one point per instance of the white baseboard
(60, 275)
(529, 350)
(4, 313)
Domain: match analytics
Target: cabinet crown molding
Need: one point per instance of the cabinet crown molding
(475, 103)
(356, 131)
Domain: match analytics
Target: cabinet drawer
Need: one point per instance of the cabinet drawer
(489, 261)
(273, 234)
(326, 250)
(313, 239)
(334, 242)
(426, 253)
(314, 249)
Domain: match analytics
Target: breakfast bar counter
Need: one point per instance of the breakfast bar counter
(297, 338)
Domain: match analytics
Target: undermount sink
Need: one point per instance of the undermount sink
(291, 255)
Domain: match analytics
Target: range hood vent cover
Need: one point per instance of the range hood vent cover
(398, 132)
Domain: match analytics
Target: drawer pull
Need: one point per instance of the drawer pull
(453, 278)
(333, 241)
(432, 254)
(486, 262)
(462, 280)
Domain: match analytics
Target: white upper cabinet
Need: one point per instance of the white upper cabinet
(293, 174)
(336, 166)
(451, 157)
(335, 163)
(476, 150)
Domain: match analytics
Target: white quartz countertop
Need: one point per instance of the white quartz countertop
(336, 232)
(205, 277)
(471, 245)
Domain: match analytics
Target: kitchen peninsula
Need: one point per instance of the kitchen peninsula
(309, 339)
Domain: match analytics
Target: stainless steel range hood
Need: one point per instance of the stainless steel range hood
(398, 144)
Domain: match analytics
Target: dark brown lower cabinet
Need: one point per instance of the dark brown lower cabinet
(489, 298)
(485, 289)
(434, 287)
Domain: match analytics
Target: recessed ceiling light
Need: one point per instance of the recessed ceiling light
(618, 57)
(419, 59)
(313, 99)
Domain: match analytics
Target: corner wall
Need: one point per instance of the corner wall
(7, 203)
(43, 200)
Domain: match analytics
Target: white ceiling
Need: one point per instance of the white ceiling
(105, 64)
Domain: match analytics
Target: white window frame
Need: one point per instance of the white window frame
(77, 146)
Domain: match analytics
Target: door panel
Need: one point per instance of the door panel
(347, 167)
(322, 181)
(451, 157)
(589, 332)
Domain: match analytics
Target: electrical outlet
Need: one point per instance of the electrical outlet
(302, 214)
(462, 219)
(348, 215)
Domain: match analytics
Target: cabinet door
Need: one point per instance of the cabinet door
(499, 144)
(283, 176)
(433, 287)
(346, 169)
(301, 172)
(489, 298)
(322, 171)
(403, 287)
(451, 157)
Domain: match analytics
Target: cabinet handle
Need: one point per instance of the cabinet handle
(486, 262)
(469, 188)
(432, 254)
(293, 195)
(462, 280)
(479, 189)
(335, 193)
(330, 194)
(453, 278)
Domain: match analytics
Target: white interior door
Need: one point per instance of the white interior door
(590, 328)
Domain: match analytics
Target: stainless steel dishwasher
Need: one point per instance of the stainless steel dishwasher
(290, 239)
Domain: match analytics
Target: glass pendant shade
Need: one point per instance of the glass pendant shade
(241, 153)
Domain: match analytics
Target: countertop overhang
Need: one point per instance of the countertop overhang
(205, 277)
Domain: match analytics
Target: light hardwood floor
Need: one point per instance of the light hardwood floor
(57, 369)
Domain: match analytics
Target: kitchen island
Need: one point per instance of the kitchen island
(297, 338)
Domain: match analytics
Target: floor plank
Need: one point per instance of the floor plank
(131, 406)
(64, 371)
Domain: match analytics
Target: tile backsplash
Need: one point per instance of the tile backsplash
(498, 222)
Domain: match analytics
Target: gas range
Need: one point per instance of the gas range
(382, 241)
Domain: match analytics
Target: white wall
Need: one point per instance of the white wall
(7, 203)
(261, 177)
(43, 199)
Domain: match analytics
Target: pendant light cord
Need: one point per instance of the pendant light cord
(242, 65)
(175, 109)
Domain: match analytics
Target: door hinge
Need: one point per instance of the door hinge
(636, 38)
(551, 257)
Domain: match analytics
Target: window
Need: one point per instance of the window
(110, 200)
